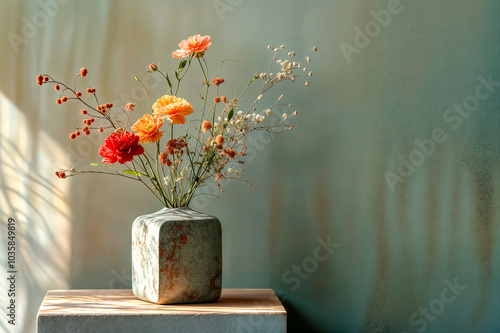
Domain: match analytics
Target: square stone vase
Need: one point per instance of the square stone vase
(177, 257)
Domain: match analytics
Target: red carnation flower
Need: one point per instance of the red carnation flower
(120, 148)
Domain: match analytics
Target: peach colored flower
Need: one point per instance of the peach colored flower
(206, 126)
(194, 44)
(147, 128)
(172, 107)
(219, 139)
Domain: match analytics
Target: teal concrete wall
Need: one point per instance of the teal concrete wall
(379, 213)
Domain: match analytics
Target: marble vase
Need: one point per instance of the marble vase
(177, 257)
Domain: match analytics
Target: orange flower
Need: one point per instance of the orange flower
(147, 128)
(194, 44)
(173, 108)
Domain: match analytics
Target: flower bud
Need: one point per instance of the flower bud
(130, 106)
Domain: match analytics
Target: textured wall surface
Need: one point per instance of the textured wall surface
(379, 213)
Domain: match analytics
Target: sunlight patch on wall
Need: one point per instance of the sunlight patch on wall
(31, 194)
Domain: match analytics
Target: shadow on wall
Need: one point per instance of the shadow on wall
(38, 205)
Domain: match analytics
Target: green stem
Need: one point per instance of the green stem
(168, 81)
(138, 178)
(144, 88)
(155, 180)
(181, 77)
(204, 99)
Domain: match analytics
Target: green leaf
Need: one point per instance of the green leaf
(229, 116)
(95, 164)
(131, 172)
(182, 64)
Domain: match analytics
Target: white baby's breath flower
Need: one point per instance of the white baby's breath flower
(259, 118)
(166, 180)
(281, 97)
(307, 83)
(308, 59)
(260, 97)
(230, 170)
(268, 112)
(294, 113)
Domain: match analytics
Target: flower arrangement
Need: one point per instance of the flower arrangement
(211, 145)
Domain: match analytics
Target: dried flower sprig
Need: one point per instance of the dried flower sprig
(174, 171)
